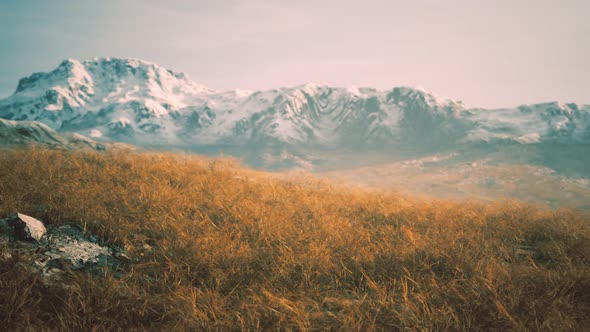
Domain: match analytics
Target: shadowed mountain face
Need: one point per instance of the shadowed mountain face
(313, 126)
(18, 133)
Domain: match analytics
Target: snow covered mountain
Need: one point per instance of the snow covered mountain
(138, 102)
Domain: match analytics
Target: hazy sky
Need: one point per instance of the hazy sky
(485, 53)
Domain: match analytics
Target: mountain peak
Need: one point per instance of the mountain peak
(69, 63)
(77, 87)
(70, 72)
(311, 86)
(124, 66)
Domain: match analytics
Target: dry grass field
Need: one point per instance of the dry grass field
(235, 249)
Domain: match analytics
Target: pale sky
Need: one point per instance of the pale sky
(484, 53)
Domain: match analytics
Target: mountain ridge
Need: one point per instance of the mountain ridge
(19, 133)
(139, 102)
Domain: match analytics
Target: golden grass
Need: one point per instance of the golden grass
(234, 249)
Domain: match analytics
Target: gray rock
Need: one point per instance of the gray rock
(69, 245)
(5, 229)
(27, 228)
(60, 251)
(121, 256)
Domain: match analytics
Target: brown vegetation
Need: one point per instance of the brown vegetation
(234, 249)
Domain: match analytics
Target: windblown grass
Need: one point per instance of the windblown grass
(234, 249)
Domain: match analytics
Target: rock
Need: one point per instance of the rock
(69, 245)
(121, 256)
(59, 251)
(5, 228)
(52, 255)
(27, 228)
(57, 263)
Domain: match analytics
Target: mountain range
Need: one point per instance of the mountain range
(141, 103)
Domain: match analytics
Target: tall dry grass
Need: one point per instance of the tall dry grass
(233, 249)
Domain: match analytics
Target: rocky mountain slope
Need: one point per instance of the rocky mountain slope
(18, 133)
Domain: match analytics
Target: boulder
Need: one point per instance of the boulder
(27, 228)
(55, 251)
